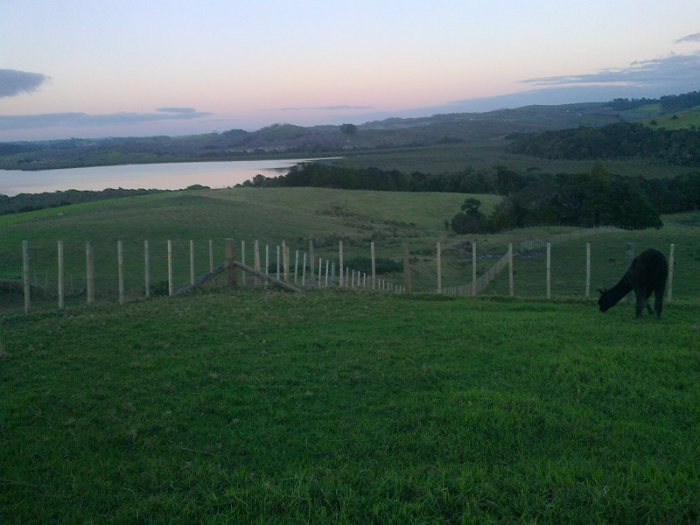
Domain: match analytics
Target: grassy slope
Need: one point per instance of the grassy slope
(242, 407)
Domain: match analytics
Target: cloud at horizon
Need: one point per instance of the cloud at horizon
(695, 37)
(671, 75)
(181, 111)
(13, 82)
(669, 71)
(83, 120)
(339, 107)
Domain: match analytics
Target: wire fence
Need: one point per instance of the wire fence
(53, 273)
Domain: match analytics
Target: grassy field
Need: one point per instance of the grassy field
(680, 120)
(344, 406)
(264, 407)
(486, 155)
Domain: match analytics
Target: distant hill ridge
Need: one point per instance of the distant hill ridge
(288, 140)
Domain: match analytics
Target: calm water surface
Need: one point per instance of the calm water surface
(148, 176)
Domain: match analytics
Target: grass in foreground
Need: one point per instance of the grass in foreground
(261, 407)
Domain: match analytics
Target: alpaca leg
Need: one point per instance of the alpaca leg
(659, 299)
(646, 302)
(641, 301)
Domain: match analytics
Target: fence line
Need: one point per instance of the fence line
(479, 284)
(322, 272)
(319, 278)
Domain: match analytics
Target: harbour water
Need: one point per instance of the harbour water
(173, 176)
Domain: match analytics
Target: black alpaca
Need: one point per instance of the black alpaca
(646, 274)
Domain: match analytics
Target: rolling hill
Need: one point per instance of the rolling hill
(289, 140)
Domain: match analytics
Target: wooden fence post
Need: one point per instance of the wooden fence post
(510, 269)
(374, 265)
(120, 266)
(256, 255)
(473, 269)
(549, 270)
(285, 260)
(90, 271)
(147, 269)
(303, 271)
(588, 270)
(311, 263)
(192, 262)
(439, 269)
(296, 267)
(406, 269)
(256, 258)
(170, 267)
(630, 258)
(670, 273)
(25, 274)
(341, 268)
(278, 262)
(243, 261)
(60, 275)
(231, 258)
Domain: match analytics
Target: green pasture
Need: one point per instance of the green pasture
(250, 406)
(453, 158)
(680, 120)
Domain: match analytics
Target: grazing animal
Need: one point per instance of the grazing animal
(646, 274)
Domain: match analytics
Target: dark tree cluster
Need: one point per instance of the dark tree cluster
(587, 199)
(39, 201)
(676, 103)
(624, 139)
(669, 103)
(626, 104)
(675, 195)
(499, 181)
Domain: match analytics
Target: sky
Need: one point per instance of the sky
(100, 68)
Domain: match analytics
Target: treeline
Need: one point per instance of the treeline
(624, 139)
(668, 103)
(24, 202)
(591, 199)
(675, 103)
(498, 181)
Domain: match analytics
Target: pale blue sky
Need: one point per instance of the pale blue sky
(117, 68)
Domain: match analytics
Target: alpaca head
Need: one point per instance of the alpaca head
(605, 301)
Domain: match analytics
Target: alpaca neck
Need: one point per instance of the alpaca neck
(617, 292)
